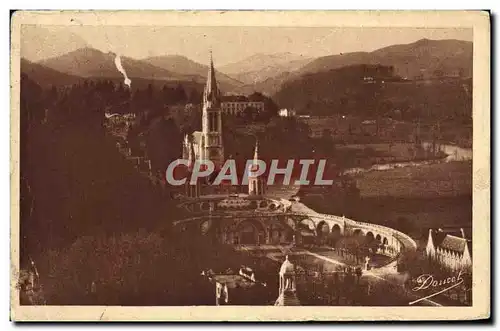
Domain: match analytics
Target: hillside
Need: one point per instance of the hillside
(89, 62)
(269, 86)
(345, 91)
(45, 76)
(422, 59)
(181, 65)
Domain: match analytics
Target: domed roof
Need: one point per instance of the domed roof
(287, 267)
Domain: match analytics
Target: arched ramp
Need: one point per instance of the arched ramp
(322, 229)
(249, 232)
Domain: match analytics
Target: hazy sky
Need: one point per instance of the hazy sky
(229, 44)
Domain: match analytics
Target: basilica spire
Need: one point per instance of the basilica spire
(256, 152)
(211, 92)
(254, 166)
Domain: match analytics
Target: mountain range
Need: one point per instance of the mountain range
(423, 59)
(260, 67)
(266, 73)
(89, 62)
(181, 65)
(45, 76)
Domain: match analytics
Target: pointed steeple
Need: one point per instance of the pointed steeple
(254, 166)
(191, 158)
(430, 249)
(211, 92)
(256, 152)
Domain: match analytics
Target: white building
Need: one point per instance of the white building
(237, 107)
(452, 252)
(285, 112)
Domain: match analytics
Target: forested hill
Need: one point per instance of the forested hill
(372, 90)
(74, 182)
(424, 58)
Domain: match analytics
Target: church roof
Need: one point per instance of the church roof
(211, 92)
(234, 98)
(449, 242)
(453, 243)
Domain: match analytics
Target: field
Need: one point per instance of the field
(437, 195)
(425, 181)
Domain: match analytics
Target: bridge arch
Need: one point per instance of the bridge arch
(370, 236)
(322, 229)
(357, 232)
(249, 231)
(308, 224)
(280, 233)
(336, 230)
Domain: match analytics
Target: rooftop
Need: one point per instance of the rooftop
(450, 242)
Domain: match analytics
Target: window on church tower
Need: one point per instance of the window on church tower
(212, 122)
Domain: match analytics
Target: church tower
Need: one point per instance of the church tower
(256, 185)
(213, 148)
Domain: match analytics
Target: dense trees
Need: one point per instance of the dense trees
(373, 91)
(163, 143)
(65, 151)
(86, 213)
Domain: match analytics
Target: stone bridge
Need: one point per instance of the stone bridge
(258, 221)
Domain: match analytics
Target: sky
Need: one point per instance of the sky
(229, 44)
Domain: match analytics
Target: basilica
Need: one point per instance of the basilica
(208, 144)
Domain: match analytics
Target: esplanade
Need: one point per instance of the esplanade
(242, 219)
(259, 217)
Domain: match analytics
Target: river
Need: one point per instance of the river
(454, 153)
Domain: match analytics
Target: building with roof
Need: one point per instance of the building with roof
(448, 250)
(237, 288)
(232, 107)
(285, 112)
(207, 143)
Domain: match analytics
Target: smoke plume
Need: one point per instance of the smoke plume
(118, 64)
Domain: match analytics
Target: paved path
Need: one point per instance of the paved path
(373, 274)
(322, 257)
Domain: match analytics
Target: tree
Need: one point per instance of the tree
(194, 97)
(163, 143)
(180, 95)
(405, 225)
(250, 114)
(270, 107)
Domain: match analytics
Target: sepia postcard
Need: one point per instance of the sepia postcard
(250, 165)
